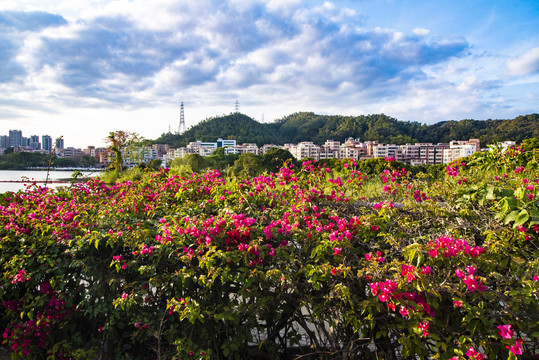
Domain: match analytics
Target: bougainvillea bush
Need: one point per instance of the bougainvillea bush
(304, 263)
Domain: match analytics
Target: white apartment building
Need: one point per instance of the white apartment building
(305, 149)
(457, 151)
(383, 150)
(247, 148)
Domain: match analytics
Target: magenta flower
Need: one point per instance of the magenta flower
(516, 349)
(337, 250)
(505, 331)
(459, 273)
(474, 354)
(424, 327)
(404, 311)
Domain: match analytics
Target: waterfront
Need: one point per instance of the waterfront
(15, 180)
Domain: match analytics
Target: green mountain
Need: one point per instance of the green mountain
(307, 126)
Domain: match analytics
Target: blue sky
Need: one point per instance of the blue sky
(81, 68)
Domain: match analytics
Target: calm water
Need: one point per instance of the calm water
(28, 176)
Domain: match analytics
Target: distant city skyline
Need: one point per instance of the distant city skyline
(82, 69)
(15, 138)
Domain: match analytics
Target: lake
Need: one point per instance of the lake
(15, 180)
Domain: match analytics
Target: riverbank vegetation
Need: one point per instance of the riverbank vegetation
(301, 261)
(27, 160)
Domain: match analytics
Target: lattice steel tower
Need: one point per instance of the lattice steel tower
(181, 127)
(237, 106)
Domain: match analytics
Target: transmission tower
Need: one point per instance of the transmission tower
(181, 127)
(237, 106)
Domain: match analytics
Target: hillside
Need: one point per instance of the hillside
(308, 126)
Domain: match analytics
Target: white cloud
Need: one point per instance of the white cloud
(275, 56)
(421, 31)
(526, 64)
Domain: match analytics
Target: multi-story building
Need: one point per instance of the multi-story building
(267, 147)
(330, 149)
(431, 154)
(384, 150)
(34, 142)
(59, 143)
(69, 152)
(89, 151)
(162, 149)
(202, 148)
(224, 143)
(247, 148)
(15, 138)
(4, 141)
(457, 151)
(46, 142)
(306, 149)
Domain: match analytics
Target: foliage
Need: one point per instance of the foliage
(307, 126)
(303, 262)
(25, 160)
(128, 142)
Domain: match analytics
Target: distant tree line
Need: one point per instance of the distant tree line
(307, 126)
(25, 160)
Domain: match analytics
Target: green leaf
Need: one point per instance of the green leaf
(521, 218)
(511, 217)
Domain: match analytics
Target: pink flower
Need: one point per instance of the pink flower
(505, 331)
(404, 311)
(459, 273)
(474, 354)
(516, 349)
(374, 288)
(457, 303)
(535, 277)
(426, 270)
(424, 327)
(337, 250)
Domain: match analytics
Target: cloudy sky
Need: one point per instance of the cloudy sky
(83, 68)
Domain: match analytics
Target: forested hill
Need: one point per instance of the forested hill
(307, 126)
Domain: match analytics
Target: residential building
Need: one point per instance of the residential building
(305, 149)
(69, 152)
(15, 138)
(224, 143)
(4, 141)
(162, 149)
(34, 142)
(46, 142)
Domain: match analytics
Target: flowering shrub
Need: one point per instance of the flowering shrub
(306, 262)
